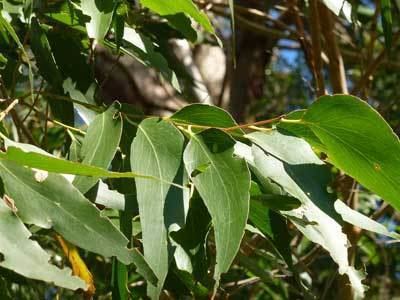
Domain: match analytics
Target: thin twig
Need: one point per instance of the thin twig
(5, 112)
(373, 67)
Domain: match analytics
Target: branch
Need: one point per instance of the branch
(315, 28)
(336, 67)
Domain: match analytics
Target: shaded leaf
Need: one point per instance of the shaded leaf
(224, 187)
(26, 257)
(274, 226)
(44, 56)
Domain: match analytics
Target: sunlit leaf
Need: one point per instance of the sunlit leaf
(157, 151)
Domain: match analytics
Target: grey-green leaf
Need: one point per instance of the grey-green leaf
(25, 257)
(51, 201)
(354, 217)
(156, 151)
(224, 186)
(100, 144)
(291, 163)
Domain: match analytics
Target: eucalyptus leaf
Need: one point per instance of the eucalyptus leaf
(353, 135)
(354, 217)
(100, 144)
(224, 186)
(156, 151)
(305, 178)
(51, 201)
(205, 115)
(25, 256)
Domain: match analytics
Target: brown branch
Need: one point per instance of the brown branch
(315, 28)
(336, 67)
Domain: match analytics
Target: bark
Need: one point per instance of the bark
(253, 53)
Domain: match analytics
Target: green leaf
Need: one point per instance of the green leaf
(205, 115)
(156, 151)
(291, 163)
(51, 201)
(386, 17)
(100, 144)
(24, 256)
(224, 186)
(358, 141)
(164, 8)
(300, 130)
(101, 14)
(44, 55)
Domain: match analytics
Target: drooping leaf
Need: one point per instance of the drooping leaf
(354, 217)
(156, 151)
(52, 202)
(100, 144)
(187, 7)
(24, 256)
(223, 182)
(291, 163)
(101, 13)
(354, 136)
